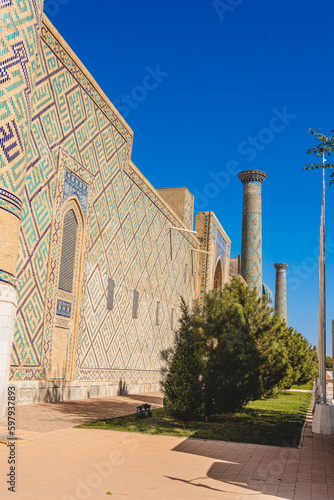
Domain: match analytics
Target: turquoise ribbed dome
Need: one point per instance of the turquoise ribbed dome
(268, 293)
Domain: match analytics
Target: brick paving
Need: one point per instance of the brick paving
(64, 463)
(49, 417)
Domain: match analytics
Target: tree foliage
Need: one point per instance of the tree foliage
(181, 377)
(329, 363)
(302, 358)
(232, 349)
(232, 371)
(266, 327)
(325, 145)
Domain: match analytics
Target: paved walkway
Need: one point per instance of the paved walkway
(49, 417)
(60, 462)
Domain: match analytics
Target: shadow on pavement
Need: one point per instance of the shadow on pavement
(48, 417)
(245, 469)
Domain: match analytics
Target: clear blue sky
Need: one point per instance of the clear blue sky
(222, 79)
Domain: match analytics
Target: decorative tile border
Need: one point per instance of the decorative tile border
(72, 63)
(74, 186)
(26, 373)
(215, 240)
(205, 257)
(65, 162)
(5, 3)
(10, 203)
(104, 375)
(63, 308)
(7, 278)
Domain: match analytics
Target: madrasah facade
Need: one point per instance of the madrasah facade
(93, 258)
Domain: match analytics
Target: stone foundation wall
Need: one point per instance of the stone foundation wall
(52, 392)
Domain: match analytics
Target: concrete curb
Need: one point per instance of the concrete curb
(309, 414)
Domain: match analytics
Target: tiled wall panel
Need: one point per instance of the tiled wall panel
(127, 234)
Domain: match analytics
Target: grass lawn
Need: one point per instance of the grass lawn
(276, 422)
(306, 387)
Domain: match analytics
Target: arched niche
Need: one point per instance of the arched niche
(218, 276)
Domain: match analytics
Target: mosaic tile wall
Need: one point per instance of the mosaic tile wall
(77, 140)
(20, 33)
(215, 241)
(20, 24)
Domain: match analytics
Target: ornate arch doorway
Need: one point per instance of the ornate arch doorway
(67, 293)
(218, 277)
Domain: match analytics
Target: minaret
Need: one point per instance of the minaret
(251, 248)
(280, 290)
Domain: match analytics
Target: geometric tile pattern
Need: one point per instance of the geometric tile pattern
(221, 247)
(280, 290)
(7, 278)
(134, 249)
(74, 186)
(10, 203)
(20, 23)
(54, 289)
(63, 308)
(215, 241)
(204, 258)
(251, 246)
(19, 37)
(50, 293)
(76, 134)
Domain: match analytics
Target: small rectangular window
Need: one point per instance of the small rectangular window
(157, 314)
(185, 274)
(135, 305)
(172, 320)
(110, 294)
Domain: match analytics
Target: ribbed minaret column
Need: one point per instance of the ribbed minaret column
(280, 290)
(20, 26)
(251, 248)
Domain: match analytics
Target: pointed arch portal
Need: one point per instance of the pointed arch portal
(218, 278)
(68, 292)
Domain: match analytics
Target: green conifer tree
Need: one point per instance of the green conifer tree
(266, 327)
(302, 358)
(181, 378)
(232, 363)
